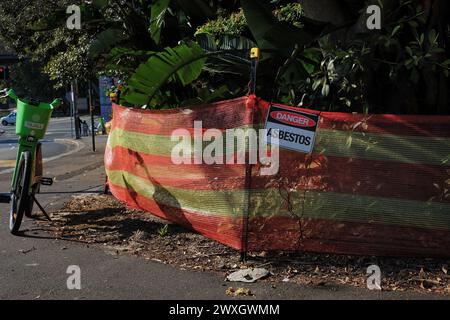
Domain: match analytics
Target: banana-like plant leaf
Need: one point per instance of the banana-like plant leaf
(135, 98)
(228, 42)
(270, 33)
(198, 8)
(182, 64)
(224, 42)
(260, 20)
(206, 41)
(158, 13)
(105, 41)
(315, 27)
(229, 62)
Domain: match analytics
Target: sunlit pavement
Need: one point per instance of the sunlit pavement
(56, 142)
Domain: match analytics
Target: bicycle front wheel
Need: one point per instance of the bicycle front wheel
(20, 195)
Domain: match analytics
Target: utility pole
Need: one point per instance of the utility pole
(75, 110)
(91, 111)
(72, 99)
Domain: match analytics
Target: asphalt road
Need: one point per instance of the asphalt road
(56, 142)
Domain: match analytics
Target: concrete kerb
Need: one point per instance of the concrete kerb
(79, 145)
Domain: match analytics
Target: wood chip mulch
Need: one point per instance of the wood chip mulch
(102, 220)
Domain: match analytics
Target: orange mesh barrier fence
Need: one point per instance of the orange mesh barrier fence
(374, 184)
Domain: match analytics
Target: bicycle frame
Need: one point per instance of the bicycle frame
(33, 118)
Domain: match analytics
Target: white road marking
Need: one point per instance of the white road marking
(78, 146)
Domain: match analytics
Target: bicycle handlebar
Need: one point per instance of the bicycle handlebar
(10, 93)
(56, 103)
(4, 93)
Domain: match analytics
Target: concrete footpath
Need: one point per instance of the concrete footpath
(33, 265)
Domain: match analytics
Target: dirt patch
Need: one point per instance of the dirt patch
(102, 220)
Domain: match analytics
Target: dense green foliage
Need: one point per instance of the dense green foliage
(50, 54)
(152, 45)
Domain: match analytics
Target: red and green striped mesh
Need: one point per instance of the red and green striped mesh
(374, 185)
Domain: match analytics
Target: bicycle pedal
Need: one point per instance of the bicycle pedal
(5, 197)
(47, 181)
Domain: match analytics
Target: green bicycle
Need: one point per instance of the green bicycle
(32, 121)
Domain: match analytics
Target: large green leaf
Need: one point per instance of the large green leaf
(198, 8)
(260, 20)
(105, 41)
(182, 64)
(228, 42)
(270, 33)
(224, 42)
(158, 13)
(206, 41)
(235, 57)
(134, 97)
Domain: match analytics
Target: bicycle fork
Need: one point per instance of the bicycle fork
(5, 197)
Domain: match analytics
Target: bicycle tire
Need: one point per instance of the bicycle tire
(20, 195)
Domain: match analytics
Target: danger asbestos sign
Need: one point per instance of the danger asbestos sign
(295, 130)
